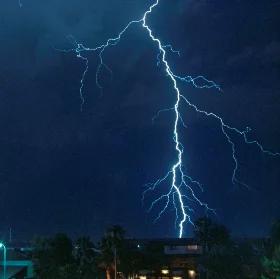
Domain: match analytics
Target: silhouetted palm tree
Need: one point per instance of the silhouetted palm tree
(110, 244)
(86, 255)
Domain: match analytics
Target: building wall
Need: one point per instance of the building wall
(182, 249)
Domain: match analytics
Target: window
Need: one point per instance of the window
(192, 247)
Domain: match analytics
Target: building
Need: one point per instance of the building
(184, 258)
(177, 258)
(18, 262)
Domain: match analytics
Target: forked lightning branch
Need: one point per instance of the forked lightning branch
(177, 186)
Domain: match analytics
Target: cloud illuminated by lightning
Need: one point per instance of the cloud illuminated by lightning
(181, 187)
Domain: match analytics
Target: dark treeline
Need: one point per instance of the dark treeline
(222, 258)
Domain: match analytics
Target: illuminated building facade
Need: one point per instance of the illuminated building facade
(177, 258)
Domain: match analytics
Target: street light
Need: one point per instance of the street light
(2, 246)
(192, 274)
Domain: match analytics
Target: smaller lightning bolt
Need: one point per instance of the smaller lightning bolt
(167, 47)
(180, 186)
(165, 110)
(225, 127)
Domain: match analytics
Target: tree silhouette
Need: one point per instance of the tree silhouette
(111, 245)
(272, 265)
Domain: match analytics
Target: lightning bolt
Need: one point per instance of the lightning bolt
(181, 186)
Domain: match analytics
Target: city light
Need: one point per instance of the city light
(192, 273)
(165, 271)
(2, 246)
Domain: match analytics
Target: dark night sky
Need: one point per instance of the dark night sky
(66, 170)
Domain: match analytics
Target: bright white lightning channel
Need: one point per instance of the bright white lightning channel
(181, 186)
